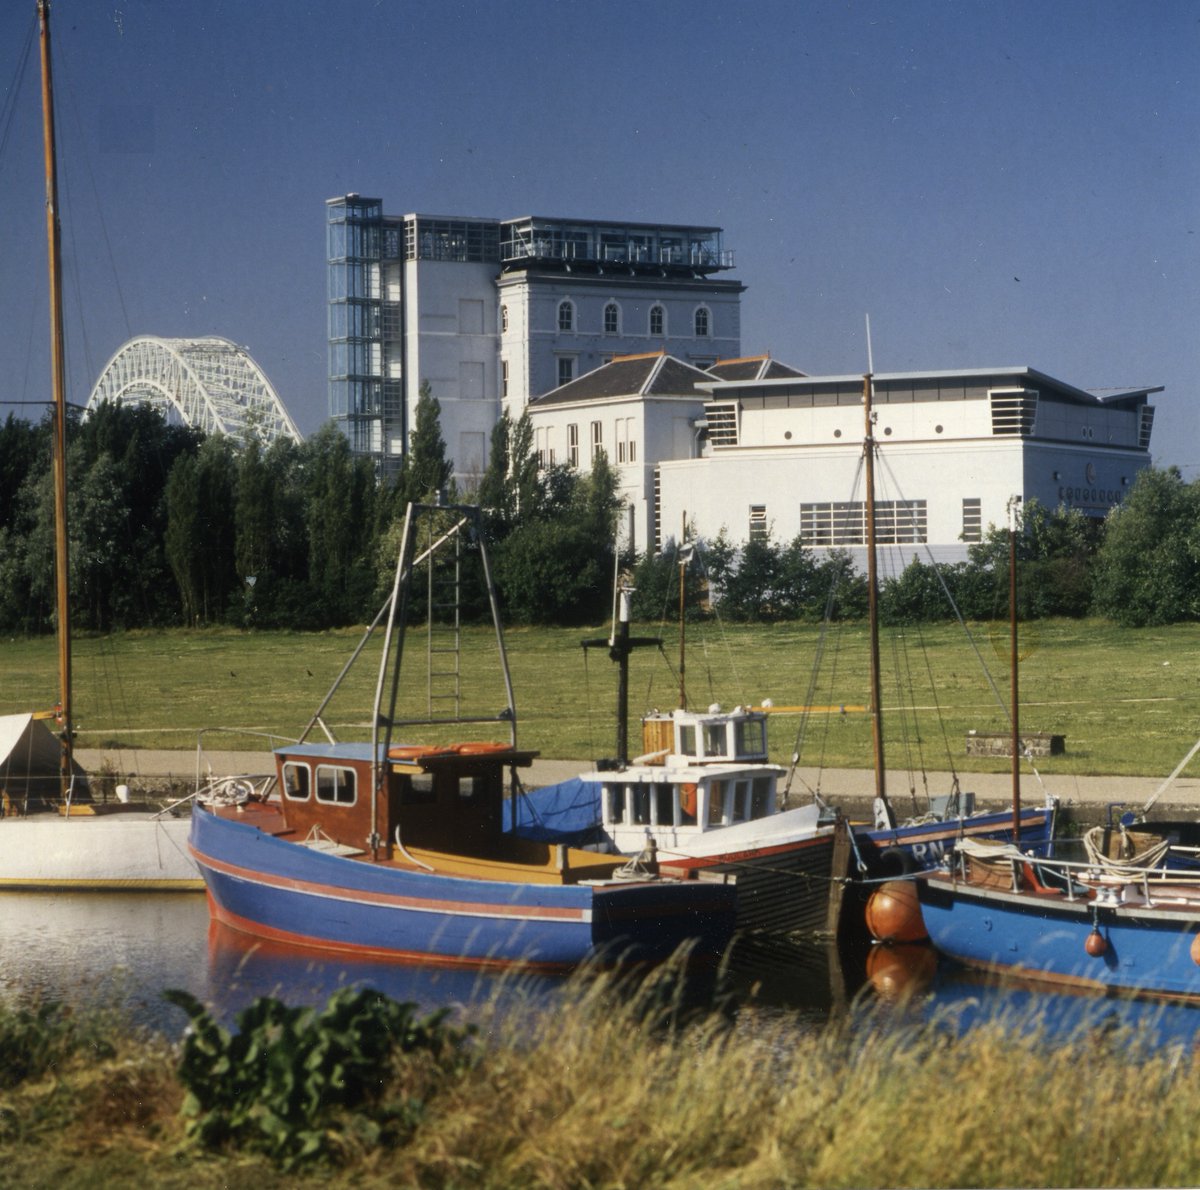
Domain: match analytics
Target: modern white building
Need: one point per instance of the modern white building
(753, 447)
(784, 456)
(490, 313)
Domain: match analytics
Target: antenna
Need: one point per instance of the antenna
(870, 360)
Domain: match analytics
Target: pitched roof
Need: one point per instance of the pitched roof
(652, 374)
(752, 367)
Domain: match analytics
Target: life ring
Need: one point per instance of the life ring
(896, 861)
(412, 751)
(687, 799)
(480, 748)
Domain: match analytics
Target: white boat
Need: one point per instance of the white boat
(52, 835)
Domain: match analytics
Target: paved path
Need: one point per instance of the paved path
(148, 767)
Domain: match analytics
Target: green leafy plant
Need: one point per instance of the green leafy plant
(297, 1084)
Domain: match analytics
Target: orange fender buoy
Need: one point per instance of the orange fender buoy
(1096, 944)
(479, 748)
(894, 913)
(1195, 951)
(687, 799)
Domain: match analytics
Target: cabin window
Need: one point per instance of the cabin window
(716, 803)
(687, 740)
(751, 737)
(664, 806)
(714, 739)
(297, 782)
(641, 806)
(616, 803)
(335, 785)
(417, 789)
(760, 805)
(470, 788)
(687, 804)
(741, 801)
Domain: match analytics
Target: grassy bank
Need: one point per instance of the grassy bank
(1128, 702)
(599, 1094)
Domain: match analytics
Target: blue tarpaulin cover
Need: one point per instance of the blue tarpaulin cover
(566, 812)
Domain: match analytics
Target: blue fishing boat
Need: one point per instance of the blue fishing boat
(394, 849)
(1075, 922)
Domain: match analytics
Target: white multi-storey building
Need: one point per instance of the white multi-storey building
(490, 313)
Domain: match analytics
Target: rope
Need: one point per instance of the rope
(1150, 858)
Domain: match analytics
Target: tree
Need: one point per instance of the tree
(1148, 567)
(426, 470)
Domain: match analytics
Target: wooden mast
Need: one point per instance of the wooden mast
(58, 387)
(1014, 661)
(881, 796)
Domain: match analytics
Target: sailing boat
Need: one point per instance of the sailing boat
(51, 835)
(895, 848)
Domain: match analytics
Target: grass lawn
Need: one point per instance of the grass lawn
(1128, 702)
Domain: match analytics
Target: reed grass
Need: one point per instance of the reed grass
(606, 1092)
(1127, 701)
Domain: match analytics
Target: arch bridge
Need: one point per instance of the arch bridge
(209, 383)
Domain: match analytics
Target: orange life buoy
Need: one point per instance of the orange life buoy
(687, 799)
(480, 748)
(412, 751)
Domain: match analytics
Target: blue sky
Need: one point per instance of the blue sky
(995, 183)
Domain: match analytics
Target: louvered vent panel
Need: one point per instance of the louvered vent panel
(1013, 412)
(722, 424)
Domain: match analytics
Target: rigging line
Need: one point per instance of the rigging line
(9, 108)
(837, 576)
(1005, 710)
(73, 104)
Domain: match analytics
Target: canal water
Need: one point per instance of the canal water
(123, 950)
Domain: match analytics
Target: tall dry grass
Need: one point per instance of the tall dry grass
(610, 1089)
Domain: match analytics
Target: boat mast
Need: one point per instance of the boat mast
(684, 554)
(1013, 663)
(58, 385)
(881, 796)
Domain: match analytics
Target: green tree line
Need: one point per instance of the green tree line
(168, 526)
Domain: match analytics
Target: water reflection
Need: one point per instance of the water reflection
(123, 949)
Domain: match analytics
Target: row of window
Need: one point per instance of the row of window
(625, 440)
(656, 323)
(845, 523)
(336, 785)
(673, 805)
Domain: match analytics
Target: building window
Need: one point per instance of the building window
(658, 320)
(503, 319)
(972, 519)
(597, 439)
(566, 316)
(612, 319)
(758, 522)
(896, 522)
(566, 369)
(573, 445)
(702, 323)
(504, 378)
(626, 443)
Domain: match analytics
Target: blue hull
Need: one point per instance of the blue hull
(924, 846)
(1147, 948)
(290, 893)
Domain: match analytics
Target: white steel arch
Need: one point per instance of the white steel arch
(211, 383)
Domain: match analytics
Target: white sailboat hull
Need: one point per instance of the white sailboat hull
(123, 852)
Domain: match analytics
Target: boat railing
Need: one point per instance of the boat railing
(1077, 879)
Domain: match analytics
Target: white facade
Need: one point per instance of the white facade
(952, 449)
